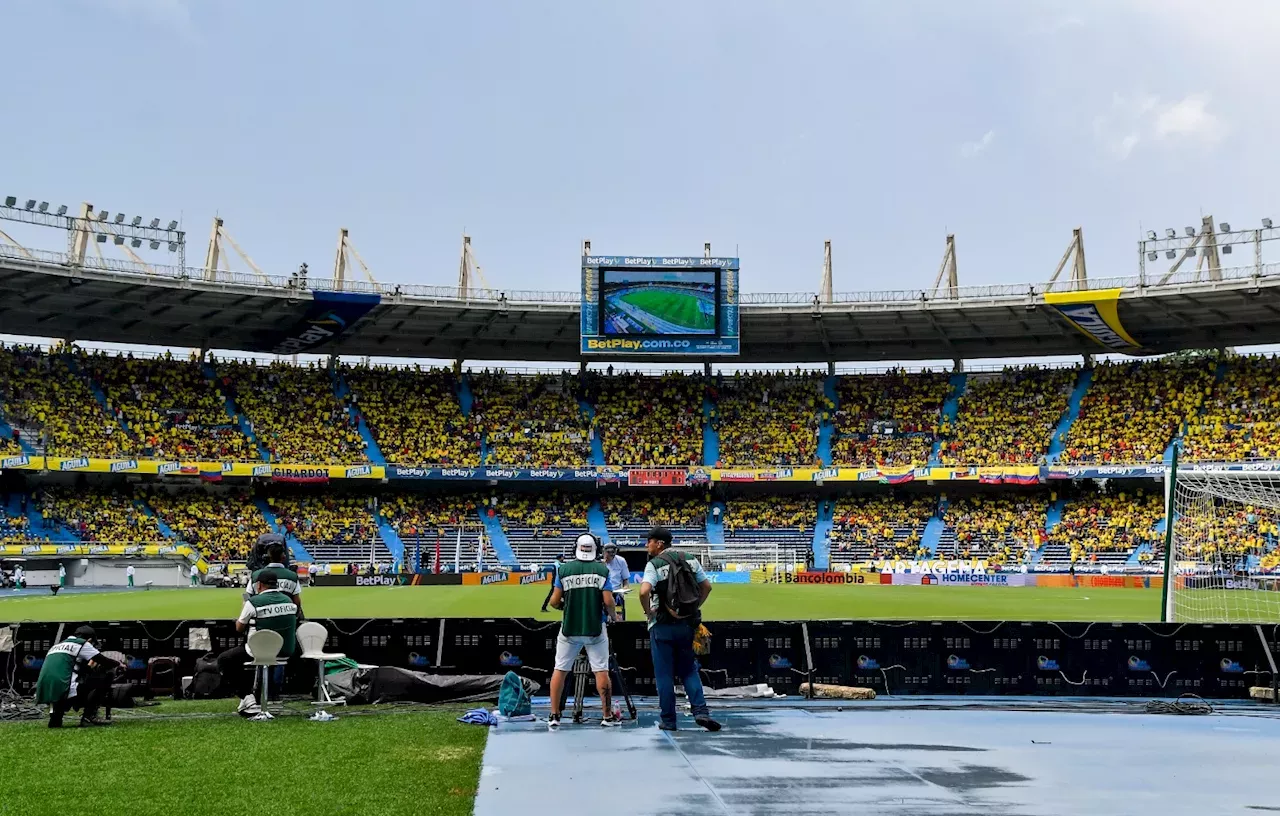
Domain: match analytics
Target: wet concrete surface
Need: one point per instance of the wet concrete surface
(901, 757)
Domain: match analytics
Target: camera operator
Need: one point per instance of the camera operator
(582, 591)
(619, 579)
(267, 608)
(287, 580)
(74, 676)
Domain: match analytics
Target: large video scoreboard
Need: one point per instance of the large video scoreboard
(668, 306)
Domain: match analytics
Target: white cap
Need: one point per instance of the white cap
(585, 548)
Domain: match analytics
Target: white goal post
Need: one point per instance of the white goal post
(1222, 543)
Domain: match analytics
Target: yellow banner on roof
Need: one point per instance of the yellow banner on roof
(1095, 314)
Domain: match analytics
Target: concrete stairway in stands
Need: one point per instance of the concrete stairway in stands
(822, 533)
(297, 551)
(1059, 441)
(498, 539)
(710, 437)
(827, 427)
(233, 411)
(390, 539)
(950, 409)
(596, 522)
(342, 392)
(597, 441)
(165, 529)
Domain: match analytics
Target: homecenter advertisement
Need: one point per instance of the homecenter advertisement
(1095, 313)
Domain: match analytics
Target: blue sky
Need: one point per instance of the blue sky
(650, 127)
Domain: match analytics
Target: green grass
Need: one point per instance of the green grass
(674, 307)
(727, 602)
(394, 763)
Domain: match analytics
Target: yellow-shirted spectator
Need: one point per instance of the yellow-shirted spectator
(647, 420)
(768, 419)
(888, 419)
(1007, 419)
(414, 414)
(1240, 420)
(223, 526)
(531, 421)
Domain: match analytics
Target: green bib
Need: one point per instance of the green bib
(582, 584)
(276, 612)
(287, 580)
(55, 675)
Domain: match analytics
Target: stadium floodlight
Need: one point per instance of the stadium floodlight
(1266, 223)
(44, 207)
(11, 201)
(1191, 252)
(1226, 249)
(1151, 235)
(135, 243)
(1191, 231)
(173, 247)
(119, 218)
(155, 244)
(155, 222)
(31, 204)
(173, 225)
(62, 209)
(1224, 227)
(119, 240)
(102, 237)
(1170, 254)
(137, 219)
(1170, 233)
(1151, 256)
(103, 215)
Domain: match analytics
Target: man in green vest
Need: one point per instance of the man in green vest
(70, 679)
(267, 608)
(583, 592)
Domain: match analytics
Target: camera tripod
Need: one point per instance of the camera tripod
(582, 672)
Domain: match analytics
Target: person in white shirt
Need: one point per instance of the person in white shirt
(619, 578)
(19, 582)
(62, 575)
(128, 574)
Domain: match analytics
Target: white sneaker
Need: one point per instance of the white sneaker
(610, 722)
(553, 722)
(249, 706)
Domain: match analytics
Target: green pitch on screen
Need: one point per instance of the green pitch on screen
(674, 307)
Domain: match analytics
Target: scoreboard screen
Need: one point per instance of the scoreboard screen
(659, 306)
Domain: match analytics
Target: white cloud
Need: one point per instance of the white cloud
(1189, 118)
(1132, 120)
(971, 149)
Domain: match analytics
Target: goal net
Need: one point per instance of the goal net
(1224, 554)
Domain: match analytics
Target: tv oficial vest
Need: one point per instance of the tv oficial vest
(582, 583)
(273, 610)
(287, 580)
(55, 675)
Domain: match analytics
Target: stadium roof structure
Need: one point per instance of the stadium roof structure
(42, 294)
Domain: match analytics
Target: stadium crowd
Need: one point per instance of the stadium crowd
(888, 419)
(1119, 521)
(414, 414)
(170, 406)
(639, 511)
(549, 515)
(1000, 528)
(324, 518)
(40, 392)
(1132, 410)
(647, 420)
(766, 419)
(889, 526)
(102, 516)
(1008, 419)
(292, 411)
(223, 525)
(770, 513)
(429, 515)
(531, 420)
(1240, 420)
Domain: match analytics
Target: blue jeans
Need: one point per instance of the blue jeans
(672, 648)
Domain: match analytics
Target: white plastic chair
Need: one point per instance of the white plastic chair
(264, 647)
(311, 640)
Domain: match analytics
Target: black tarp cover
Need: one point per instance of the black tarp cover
(385, 684)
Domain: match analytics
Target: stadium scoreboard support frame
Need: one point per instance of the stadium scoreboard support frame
(665, 306)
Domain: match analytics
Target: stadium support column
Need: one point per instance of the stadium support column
(824, 288)
(211, 258)
(80, 236)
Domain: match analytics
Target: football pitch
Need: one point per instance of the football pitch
(681, 308)
(727, 602)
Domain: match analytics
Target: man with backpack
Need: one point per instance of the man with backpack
(672, 594)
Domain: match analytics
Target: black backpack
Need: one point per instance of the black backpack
(682, 596)
(207, 679)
